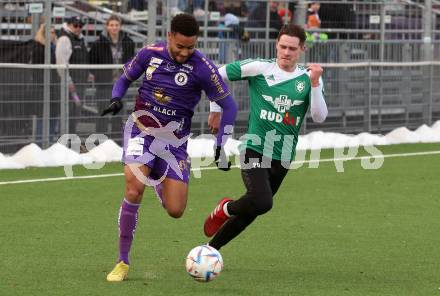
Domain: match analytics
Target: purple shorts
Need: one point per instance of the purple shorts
(164, 159)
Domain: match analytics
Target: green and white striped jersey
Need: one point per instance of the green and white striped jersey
(278, 104)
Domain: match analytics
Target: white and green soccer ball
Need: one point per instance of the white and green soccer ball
(204, 263)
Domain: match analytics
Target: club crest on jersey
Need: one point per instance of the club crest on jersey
(282, 103)
(300, 86)
(181, 78)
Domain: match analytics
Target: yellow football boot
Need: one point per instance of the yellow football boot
(119, 273)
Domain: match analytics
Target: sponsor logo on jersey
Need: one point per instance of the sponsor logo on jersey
(181, 125)
(209, 65)
(165, 111)
(185, 70)
(155, 62)
(130, 65)
(270, 77)
(214, 76)
(149, 72)
(278, 118)
(183, 165)
(289, 120)
(160, 96)
(181, 78)
(282, 103)
(190, 67)
(216, 80)
(300, 86)
(153, 65)
(170, 67)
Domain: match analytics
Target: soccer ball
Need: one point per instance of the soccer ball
(204, 263)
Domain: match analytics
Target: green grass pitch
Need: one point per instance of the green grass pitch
(361, 232)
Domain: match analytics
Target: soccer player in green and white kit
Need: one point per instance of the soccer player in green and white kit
(280, 94)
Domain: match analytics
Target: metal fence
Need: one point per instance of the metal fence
(375, 97)
(356, 20)
(366, 96)
(391, 30)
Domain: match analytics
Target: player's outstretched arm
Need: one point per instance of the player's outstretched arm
(114, 107)
(214, 118)
(132, 71)
(119, 90)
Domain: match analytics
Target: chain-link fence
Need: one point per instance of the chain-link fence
(35, 105)
(375, 97)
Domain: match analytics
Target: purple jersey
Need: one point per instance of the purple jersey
(170, 91)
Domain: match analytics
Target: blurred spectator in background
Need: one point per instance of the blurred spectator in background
(136, 5)
(199, 7)
(112, 47)
(36, 84)
(238, 8)
(71, 49)
(37, 52)
(257, 18)
(182, 5)
(229, 38)
(275, 19)
(313, 20)
(282, 13)
(178, 6)
(340, 16)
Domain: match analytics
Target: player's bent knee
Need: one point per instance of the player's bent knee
(174, 202)
(262, 204)
(174, 208)
(175, 212)
(263, 207)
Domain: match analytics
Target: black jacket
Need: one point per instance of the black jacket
(100, 53)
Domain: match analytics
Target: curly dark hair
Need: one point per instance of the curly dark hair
(185, 24)
(293, 31)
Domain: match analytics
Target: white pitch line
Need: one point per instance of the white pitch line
(212, 168)
(60, 179)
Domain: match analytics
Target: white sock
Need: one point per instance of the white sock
(225, 209)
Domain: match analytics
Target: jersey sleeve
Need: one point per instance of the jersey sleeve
(241, 70)
(318, 107)
(211, 81)
(134, 68)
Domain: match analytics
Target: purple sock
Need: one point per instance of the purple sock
(127, 221)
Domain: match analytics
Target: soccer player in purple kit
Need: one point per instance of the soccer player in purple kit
(155, 143)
